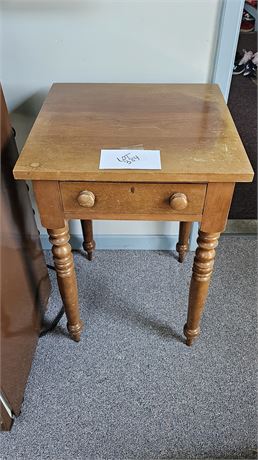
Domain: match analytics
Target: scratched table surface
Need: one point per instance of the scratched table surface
(189, 123)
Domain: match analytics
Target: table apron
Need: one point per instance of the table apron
(84, 215)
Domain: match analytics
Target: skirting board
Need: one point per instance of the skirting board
(145, 242)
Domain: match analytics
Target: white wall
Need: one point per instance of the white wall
(103, 41)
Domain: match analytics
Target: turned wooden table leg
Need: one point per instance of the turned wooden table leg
(88, 241)
(183, 241)
(202, 270)
(66, 278)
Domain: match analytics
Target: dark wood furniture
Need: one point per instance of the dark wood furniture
(202, 158)
(25, 284)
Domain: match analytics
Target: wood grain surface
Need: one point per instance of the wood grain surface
(189, 123)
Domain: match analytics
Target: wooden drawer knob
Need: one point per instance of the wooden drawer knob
(86, 199)
(178, 201)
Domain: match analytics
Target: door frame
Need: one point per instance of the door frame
(228, 35)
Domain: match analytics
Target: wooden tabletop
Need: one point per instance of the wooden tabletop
(189, 123)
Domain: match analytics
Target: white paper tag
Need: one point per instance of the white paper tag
(129, 159)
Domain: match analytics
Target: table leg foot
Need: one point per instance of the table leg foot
(191, 335)
(181, 253)
(89, 250)
(75, 331)
(202, 271)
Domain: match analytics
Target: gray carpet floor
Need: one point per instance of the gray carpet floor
(131, 389)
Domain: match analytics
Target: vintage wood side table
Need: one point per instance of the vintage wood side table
(202, 157)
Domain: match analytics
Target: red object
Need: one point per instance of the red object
(252, 2)
(247, 26)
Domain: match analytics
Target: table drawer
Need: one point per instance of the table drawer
(115, 200)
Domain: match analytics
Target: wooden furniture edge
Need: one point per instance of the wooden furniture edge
(97, 176)
(216, 207)
(142, 217)
(49, 202)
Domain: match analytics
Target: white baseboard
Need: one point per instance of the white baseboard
(147, 242)
(151, 242)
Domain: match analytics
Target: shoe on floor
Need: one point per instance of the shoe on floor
(247, 16)
(251, 67)
(240, 67)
